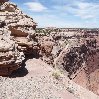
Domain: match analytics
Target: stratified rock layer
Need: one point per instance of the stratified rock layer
(10, 58)
(22, 27)
(17, 35)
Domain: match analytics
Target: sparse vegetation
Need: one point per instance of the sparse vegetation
(57, 74)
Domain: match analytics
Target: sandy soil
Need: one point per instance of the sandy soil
(36, 82)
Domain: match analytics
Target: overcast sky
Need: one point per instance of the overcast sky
(62, 13)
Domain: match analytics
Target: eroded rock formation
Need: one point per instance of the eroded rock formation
(10, 58)
(22, 27)
(75, 52)
(17, 37)
(81, 63)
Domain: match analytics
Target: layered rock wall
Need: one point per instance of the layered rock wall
(10, 58)
(22, 27)
(17, 37)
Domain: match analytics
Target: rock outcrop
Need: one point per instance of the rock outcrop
(17, 37)
(22, 27)
(46, 46)
(10, 58)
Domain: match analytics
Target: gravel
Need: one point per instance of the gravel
(34, 85)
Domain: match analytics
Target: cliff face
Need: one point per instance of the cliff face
(10, 57)
(17, 37)
(90, 72)
(22, 27)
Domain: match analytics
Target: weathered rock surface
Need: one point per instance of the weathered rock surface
(46, 46)
(17, 35)
(69, 50)
(22, 27)
(81, 62)
(10, 58)
(75, 53)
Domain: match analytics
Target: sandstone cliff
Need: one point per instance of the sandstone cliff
(22, 27)
(17, 37)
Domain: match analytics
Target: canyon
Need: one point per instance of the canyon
(72, 51)
(76, 55)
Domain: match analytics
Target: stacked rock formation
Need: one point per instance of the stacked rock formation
(21, 26)
(17, 37)
(10, 57)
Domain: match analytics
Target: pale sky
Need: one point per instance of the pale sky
(62, 13)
